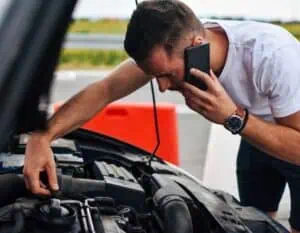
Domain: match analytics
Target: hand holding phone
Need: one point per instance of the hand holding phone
(196, 57)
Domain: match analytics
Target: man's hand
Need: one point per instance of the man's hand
(39, 158)
(214, 103)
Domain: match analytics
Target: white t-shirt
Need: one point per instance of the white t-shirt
(262, 69)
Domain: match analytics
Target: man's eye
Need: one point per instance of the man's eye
(169, 75)
(162, 76)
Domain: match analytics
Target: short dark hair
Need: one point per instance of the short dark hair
(158, 22)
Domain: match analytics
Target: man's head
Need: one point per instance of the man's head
(157, 34)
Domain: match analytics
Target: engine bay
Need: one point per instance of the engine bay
(108, 186)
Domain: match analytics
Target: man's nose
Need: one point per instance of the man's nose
(163, 84)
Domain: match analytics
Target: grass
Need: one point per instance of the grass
(294, 28)
(117, 26)
(109, 26)
(85, 58)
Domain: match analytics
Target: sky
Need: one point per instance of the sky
(285, 10)
(258, 9)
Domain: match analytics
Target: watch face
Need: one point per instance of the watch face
(235, 123)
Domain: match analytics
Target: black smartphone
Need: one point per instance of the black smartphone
(196, 57)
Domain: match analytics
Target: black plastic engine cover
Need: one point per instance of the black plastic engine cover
(120, 185)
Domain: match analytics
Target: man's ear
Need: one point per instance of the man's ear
(198, 40)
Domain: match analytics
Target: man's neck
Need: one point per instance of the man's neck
(218, 49)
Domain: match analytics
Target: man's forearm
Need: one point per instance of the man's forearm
(277, 140)
(76, 111)
(123, 80)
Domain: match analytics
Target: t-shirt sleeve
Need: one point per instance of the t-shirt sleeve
(280, 81)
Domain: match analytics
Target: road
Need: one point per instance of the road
(94, 41)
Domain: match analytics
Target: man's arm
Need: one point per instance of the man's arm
(279, 79)
(126, 78)
(282, 140)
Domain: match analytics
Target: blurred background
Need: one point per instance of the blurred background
(100, 25)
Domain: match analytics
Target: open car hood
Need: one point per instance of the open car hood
(31, 35)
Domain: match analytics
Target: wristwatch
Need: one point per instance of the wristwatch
(236, 122)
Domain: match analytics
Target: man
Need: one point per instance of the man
(253, 90)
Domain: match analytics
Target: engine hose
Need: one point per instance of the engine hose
(18, 223)
(9, 192)
(176, 215)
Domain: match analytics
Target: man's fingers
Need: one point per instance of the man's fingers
(202, 76)
(191, 91)
(26, 183)
(52, 178)
(191, 104)
(42, 185)
(212, 75)
(197, 102)
(33, 182)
